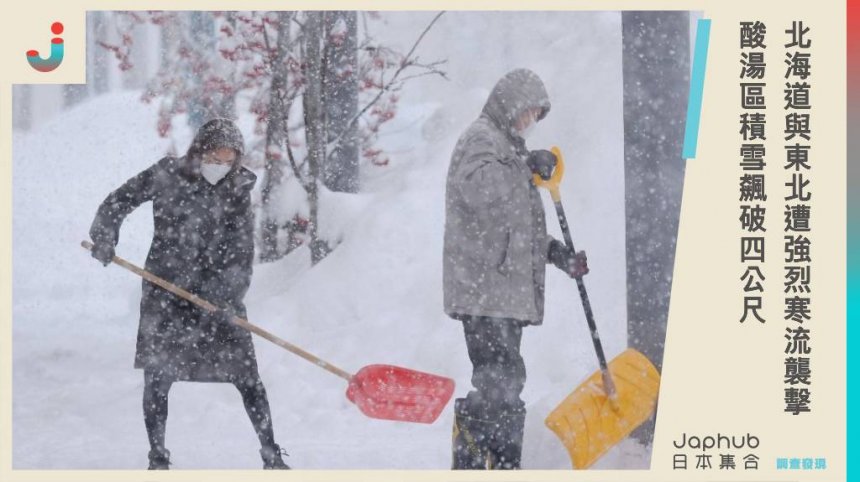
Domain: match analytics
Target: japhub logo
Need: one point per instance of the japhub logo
(53, 61)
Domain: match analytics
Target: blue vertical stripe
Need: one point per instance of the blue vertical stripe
(697, 85)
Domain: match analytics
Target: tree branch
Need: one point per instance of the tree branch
(385, 87)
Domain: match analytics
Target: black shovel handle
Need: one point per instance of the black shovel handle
(586, 306)
(552, 185)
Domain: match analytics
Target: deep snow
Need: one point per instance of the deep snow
(376, 299)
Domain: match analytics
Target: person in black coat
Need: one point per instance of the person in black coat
(203, 243)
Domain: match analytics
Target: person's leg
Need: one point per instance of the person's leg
(257, 406)
(470, 434)
(156, 387)
(470, 437)
(506, 441)
(485, 434)
(499, 370)
(505, 407)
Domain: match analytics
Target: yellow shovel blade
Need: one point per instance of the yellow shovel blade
(589, 424)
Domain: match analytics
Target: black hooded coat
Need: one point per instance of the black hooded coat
(202, 242)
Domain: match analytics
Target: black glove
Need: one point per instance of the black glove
(574, 264)
(104, 252)
(542, 162)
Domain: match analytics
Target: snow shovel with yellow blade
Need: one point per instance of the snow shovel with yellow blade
(385, 392)
(612, 402)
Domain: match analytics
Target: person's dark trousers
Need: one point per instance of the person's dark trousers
(489, 421)
(155, 395)
(156, 387)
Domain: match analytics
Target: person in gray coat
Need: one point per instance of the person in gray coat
(495, 252)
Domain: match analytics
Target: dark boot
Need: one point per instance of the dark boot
(159, 459)
(272, 457)
(506, 446)
(469, 446)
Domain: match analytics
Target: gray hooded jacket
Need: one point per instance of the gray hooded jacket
(495, 231)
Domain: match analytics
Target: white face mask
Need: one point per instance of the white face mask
(214, 172)
(528, 131)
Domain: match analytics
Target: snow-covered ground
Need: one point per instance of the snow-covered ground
(376, 299)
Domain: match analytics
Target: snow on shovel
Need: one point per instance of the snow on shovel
(613, 401)
(380, 391)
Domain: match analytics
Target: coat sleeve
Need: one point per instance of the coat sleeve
(548, 247)
(238, 262)
(485, 176)
(119, 204)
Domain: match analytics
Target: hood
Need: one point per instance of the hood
(517, 91)
(213, 134)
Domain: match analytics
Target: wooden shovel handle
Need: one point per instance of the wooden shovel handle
(236, 320)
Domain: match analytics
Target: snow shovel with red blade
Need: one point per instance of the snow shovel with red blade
(613, 401)
(380, 391)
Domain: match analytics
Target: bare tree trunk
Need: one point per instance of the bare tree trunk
(314, 115)
(135, 78)
(169, 38)
(98, 74)
(276, 136)
(22, 105)
(340, 170)
(228, 100)
(74, 94)
(201, 34)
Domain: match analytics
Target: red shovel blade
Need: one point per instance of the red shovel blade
(394, 393)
